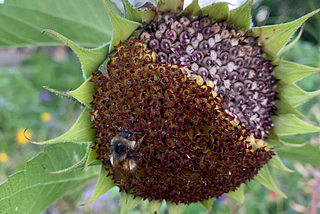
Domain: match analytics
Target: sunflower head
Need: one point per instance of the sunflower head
(191, 150)
(187, 105)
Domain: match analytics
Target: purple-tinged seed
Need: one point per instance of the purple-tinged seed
(165, 45)
(223, 72)
(184, 21)
(184, 38)
(162, 57)
(234, 76)
(238, 87)
(224, 58)
(171, 35)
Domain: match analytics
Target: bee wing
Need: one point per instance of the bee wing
(136, 146)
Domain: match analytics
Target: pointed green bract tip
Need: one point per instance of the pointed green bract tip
(237, 194)
(287, 124)
(277, 163)
(175, 208)
(83, 93)
(78, 165)
(241, 16)
(58, 93)
(131, 13)
(207, 204)
(290, 72)
(154, 206)
(284, 107)
(295, 95)
(275, 37)
(122, 28)
(192, 9)
(170, 6)
(90, 59)
(283, 51)
(128, 202)
(217, 11)
(105, 183)
(80, 132)
(264, 178)
(92, 157)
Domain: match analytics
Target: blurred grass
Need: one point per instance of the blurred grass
(23, 100)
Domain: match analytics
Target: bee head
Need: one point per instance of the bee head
(121, 148)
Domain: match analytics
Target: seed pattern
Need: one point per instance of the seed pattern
(224, 57)
(192, 149)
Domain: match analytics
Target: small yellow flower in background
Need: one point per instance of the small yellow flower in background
(21, 136)
(3, 157)
(45, 117)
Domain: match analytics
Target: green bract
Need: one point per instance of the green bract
(273, 40)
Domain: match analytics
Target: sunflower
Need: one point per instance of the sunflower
(184, 106)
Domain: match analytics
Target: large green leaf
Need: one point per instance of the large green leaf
(33, 189)
(84, 22)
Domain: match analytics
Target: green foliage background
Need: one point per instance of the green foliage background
(21, 105)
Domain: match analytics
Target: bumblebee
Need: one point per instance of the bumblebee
(123, 155)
